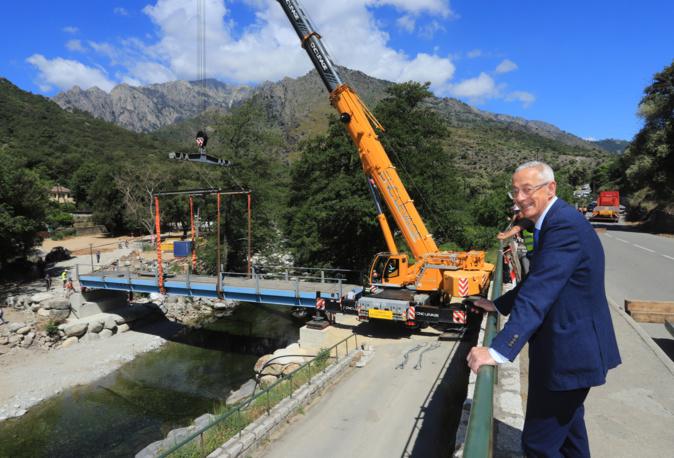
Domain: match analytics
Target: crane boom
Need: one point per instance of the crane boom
(359, 123)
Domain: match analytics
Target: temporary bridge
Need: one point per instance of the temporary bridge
(281, 288)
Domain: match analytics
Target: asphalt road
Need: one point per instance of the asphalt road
(383, 409)
(638, 266)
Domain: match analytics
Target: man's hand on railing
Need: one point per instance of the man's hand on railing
(479, 356)
(485, 304)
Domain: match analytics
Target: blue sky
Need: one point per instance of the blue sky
(580, 65)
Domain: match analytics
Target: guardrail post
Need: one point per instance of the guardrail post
(322, 276)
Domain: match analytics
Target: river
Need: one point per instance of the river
(141, 402)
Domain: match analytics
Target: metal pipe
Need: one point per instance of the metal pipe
(480, 430)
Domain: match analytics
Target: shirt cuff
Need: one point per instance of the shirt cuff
(498, 357)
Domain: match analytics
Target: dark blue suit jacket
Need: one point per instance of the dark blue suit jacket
(560, 308)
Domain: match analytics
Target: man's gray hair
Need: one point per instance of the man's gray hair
(544, 170)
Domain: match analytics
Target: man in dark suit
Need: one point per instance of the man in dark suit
(560, 309)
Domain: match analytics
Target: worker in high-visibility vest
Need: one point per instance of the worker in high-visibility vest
(64, 278)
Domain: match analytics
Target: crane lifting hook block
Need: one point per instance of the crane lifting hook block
(200, 157)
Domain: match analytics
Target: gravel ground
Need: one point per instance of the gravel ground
(28, 376)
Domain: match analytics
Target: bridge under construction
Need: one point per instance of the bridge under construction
(281, 289)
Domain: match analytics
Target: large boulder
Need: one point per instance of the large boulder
(95, 326)
(267, 380)
(14, 340)
(15, 326)
(105, 333)
(89, 336)
(69, 342)
(23, 331)
(53, 314)
(56, 304)
(291, 354)
(123, 328)
(272, 369)
(76, 329)
(28, 340)
(261, 362)
(290, 368)
(110, 323)
(245, 391)
(39, 297)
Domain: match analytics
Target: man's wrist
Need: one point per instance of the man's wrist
(498, 357)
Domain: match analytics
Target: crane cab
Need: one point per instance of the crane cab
(389, 269)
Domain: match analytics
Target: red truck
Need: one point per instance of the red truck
(608, 207)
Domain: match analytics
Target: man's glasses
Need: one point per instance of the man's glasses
(525, 191)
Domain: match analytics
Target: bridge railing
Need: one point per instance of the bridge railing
(480, 432)
(314, 274)
(230, 423)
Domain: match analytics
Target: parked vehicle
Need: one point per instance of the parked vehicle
(58, 253)
(608, 207)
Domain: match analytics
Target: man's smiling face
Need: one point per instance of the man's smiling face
(532, 193)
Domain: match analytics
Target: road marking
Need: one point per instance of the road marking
(643, 248)
(609, 236)
(621, 240)
(668, 257)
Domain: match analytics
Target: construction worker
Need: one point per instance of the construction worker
(64, 278)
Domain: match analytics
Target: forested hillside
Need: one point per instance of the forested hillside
(645, 171)
(310, 198)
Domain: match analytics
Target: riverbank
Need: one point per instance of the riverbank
(30, 376)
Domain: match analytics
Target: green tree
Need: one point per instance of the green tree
(649, 160)
(414, 138)
(246, 137)
(23, 202)
(331, 216)
(107, 203)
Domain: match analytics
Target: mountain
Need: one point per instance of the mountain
(56, 143)
(300, 105)
(144, 109)
(612, 145)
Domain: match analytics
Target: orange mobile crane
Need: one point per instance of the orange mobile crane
(429, 289)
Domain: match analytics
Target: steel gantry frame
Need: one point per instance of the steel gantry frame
(200, 192)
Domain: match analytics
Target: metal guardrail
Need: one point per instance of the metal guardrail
(236, 415)
(480, 430)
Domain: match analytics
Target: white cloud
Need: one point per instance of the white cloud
(526, 98)
(406, 22)
(440, 7)
(472, 54)
(75, 45)
(269, 49)
(430, 29)
(65, 73)
(506, 66)
(120, 11)
(70, 29)
(476, 89)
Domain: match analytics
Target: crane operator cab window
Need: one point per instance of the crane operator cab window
(385, 268)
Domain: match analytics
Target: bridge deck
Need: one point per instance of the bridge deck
(292, 292)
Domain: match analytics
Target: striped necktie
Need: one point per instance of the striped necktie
(536, 233)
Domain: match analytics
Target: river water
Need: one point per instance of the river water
(141, 402)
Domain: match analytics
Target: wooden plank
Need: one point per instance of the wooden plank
(652, 317)
(649, 306)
